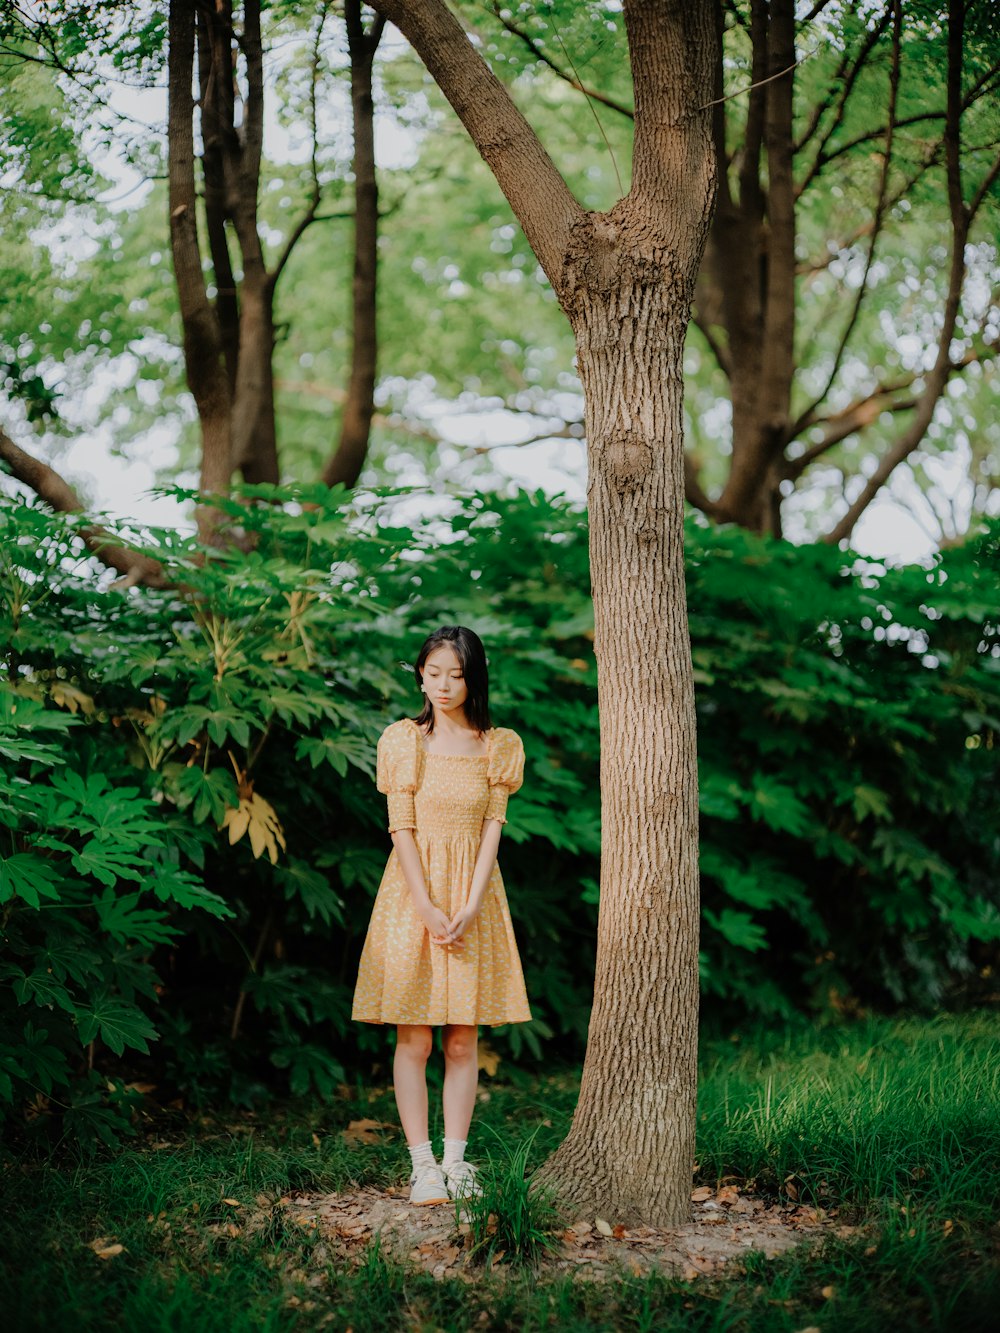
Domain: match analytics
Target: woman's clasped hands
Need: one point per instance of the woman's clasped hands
(445, 931)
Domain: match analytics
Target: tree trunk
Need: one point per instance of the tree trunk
(203, 353)
(630, 1151)
(625, 280)
(346, 463)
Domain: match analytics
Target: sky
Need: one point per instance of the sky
(888, 530)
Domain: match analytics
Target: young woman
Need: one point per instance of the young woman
(440, 949)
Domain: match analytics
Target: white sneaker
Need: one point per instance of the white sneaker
(427, 1185)
(461, 1181)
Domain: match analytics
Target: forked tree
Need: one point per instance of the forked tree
(625, 280)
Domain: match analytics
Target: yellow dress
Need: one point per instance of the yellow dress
(403, 977)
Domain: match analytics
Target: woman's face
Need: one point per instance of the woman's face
(443, 680)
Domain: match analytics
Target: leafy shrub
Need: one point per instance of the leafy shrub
(192, 837)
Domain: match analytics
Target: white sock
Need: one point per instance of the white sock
(454, 1152)
(421, 1154)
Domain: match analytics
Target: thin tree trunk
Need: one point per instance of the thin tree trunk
(346, 463)
(203, 353)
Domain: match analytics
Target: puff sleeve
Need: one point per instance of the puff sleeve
(505, 771)
(396, 773)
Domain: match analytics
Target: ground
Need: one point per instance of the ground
(725, 1224)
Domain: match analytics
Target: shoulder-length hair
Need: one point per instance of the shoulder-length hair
(468, 648)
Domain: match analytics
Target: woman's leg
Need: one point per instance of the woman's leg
(409, 1076)
(461, 1078)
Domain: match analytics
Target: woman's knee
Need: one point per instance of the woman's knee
(414, 1041)
(460, 1042)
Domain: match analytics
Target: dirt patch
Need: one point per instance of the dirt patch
(725, 1226)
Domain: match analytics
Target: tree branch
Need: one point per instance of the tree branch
(59, 495)
(877, 220)
(845, 92)
(540, 198)
(545, 59)
(670, 114)
(960, 221)
(312, 209)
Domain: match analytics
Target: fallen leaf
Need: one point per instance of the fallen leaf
(828, 1293)
(619, 1232)
(702, 1193)
(949, 1226)
(603, 1227)
(103, 1250)
(365, 1131)
(233, 1203)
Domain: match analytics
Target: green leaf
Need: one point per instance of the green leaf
(738, 928)
(211, 792)
(118, 1023)
(44, 1063)
(313, 890)
(108, 862)
(123, 920)
(870, 800)
(29, 877)
(185, 889)
(309, 1066)
(777, 805)
(45, 990)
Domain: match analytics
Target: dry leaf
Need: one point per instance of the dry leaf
(489, 1059)
(603, 1227)
(257, 817)
(619, 1232)
(233, 1203)
(365, 1131)
(105, 1250)
(702, 1193)
(828, 1293)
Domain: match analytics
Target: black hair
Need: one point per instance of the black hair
(468, 648)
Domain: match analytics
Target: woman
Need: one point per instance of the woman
(440, 949)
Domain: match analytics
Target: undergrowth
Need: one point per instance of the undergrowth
(894, 1124)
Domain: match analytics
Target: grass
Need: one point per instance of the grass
(893, 1123)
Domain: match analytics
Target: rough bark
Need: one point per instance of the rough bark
(625, 280)
(348, 459)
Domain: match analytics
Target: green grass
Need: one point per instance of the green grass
(896, 1124)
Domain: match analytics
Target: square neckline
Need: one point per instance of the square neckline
(429, 754)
